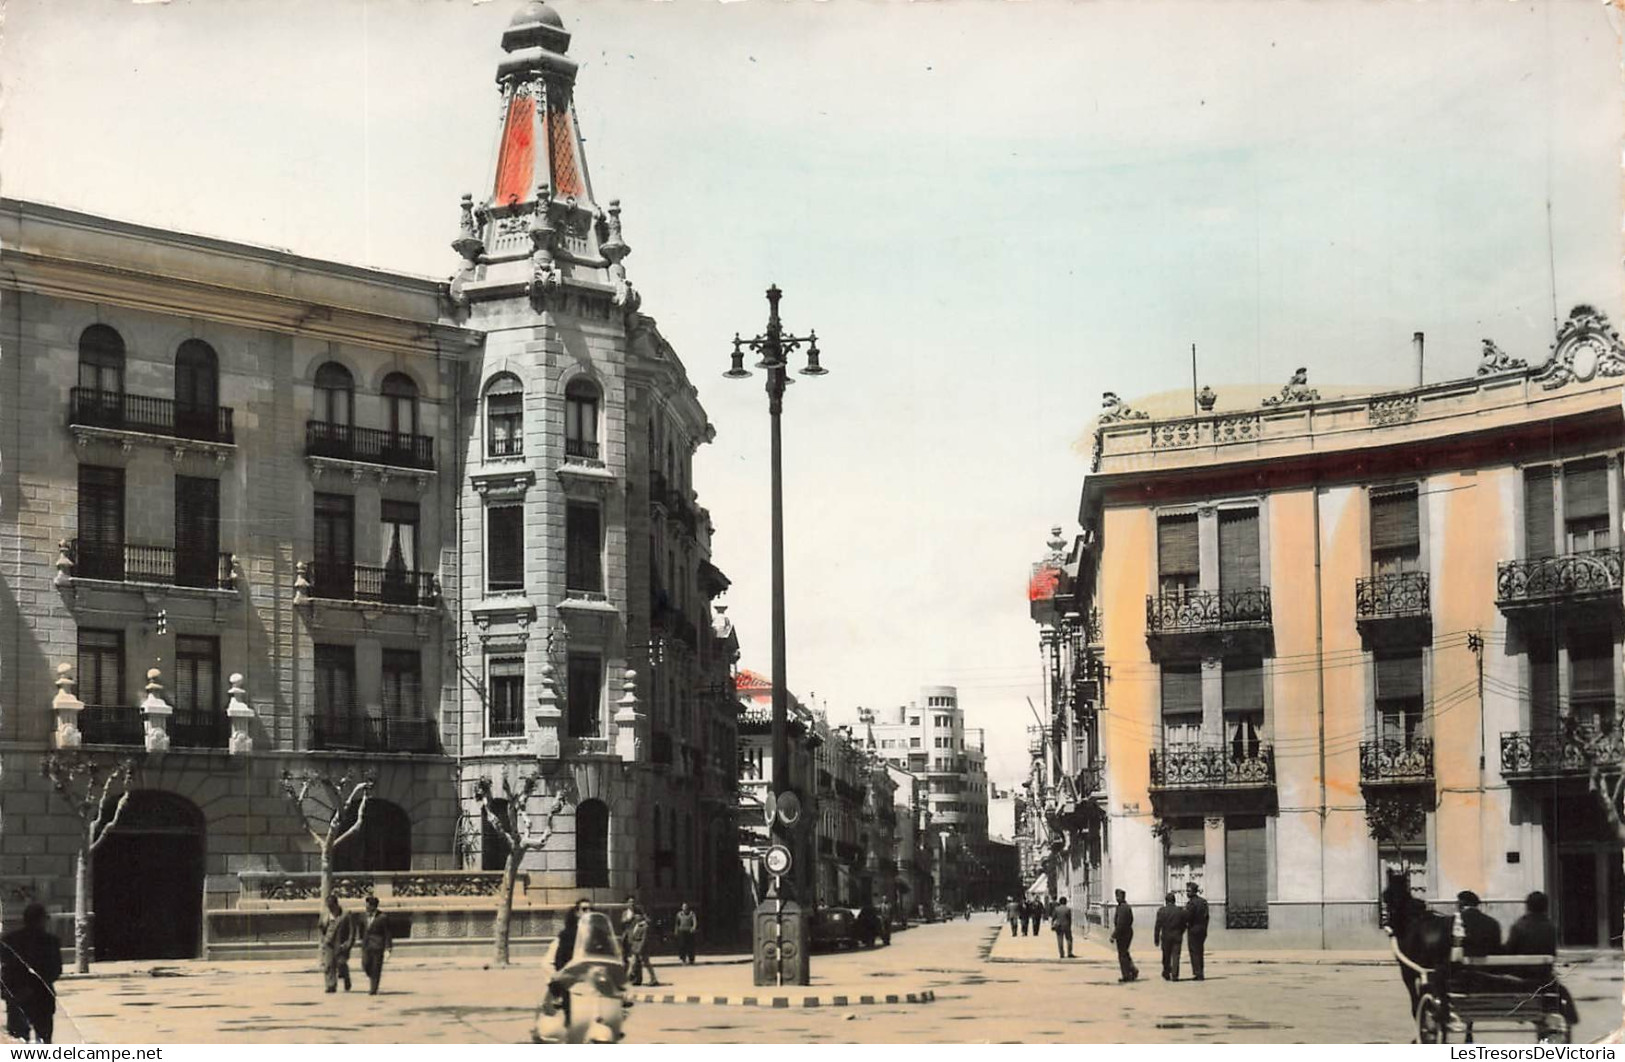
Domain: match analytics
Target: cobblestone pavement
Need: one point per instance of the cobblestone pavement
(987, 989)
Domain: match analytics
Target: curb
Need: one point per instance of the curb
(783, 1002)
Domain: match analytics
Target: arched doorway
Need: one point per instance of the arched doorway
(383, 843)
(147, 881)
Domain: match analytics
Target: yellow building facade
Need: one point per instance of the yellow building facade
(1351, 636)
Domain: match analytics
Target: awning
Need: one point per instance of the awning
(1039, 888)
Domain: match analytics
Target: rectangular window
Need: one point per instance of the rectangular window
(1239, 562)
(403, 684)
(505, 419)
(1399, 697)
(584, 695)
(100, 551)
(1243, 706)
(400, 538)
(913, 742)
(1544, 692)
(1246, 869)
(1396, 538)
(1585, 505)
(1181, 703)
(505, 548)
(1179, 557)
(197, 531)
(335, 682)
(1187, 853)
(1591, 679)
(583, 549)
(197, 676)
(1539, 538)
(101, 668)
(335, 546)
(506, 697)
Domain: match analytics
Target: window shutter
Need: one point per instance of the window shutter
(1177, 550)
(1591, 667)
(582, 547)
(582, 696)
(101, 506)
(1399, 677)
(1181, 690)
(1243, 686)
(1245, 863)
(1395, 521)
(505, 546)
(1540, 538)
(1239, 567)
(1585, 490)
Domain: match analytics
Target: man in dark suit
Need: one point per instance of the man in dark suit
(376, 939)
(1169, 931)
(1123, 936)
(30, 963)
(1534, 934)
(1481, 934)
(1195, 927)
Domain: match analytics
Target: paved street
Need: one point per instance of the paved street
(987, 990)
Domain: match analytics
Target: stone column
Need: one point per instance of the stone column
(628, 746)
(67, 708)
(544, 739)
(1213, 877)
(241, 717)
(156, 711)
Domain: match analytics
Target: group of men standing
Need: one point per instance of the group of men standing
(1028, 914)
(1175, 926)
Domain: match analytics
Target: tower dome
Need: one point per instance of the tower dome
(536, 11)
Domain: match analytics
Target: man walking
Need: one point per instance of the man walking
(884, 911)
(1012, 912)
(1169, 931)
(30, 963)
(338, 936)
(1123, 936)
(687, 923)
(1060, 920)
(1195, 927)
(637, 938)
(375, 941)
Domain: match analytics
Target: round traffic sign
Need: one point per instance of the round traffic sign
(778, 860)
(789, 808)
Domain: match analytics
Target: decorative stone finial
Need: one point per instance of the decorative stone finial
(1495, 360)
(549, 719)
(545, 279)
(1057, 544)
(241, 717)
(1113, 409)
(1206, 397)
(67, 708)
(155, 711)
(1296, 390)
(468, 243)
(301, 583)
(64, 564)
(628, 744)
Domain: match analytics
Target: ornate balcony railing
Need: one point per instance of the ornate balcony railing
(1396, 761)
(586, 449)
(1570, 751)
(111, 724)
(360, 582)
(1396, 595)
(347, 442)
(1199, 611)
(160, 565)
(1548, 580)
(362, 733)
(92, 408)
(1214, 765)
(1246, 916)
(198, 730)
(506, 446)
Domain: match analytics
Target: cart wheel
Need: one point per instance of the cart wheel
(1554, 1030)
(1429, 1029)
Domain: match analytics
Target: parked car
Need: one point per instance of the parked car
(833, 928)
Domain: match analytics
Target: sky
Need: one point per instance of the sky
(990, 211)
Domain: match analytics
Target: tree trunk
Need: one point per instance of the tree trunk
(81, 909)
(504, 922)
(325, 889)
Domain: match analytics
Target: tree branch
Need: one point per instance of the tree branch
(362, 789)
(121, 773)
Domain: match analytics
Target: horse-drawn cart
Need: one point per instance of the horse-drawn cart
(1469, 994)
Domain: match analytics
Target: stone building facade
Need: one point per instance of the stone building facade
(429, 532)
(1345, 636)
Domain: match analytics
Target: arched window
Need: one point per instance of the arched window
(101, 360)
(401, 404)
(335, 395)
(197, 390)
(592, 844)
(384, 841)
(505, 417)
(581, 419)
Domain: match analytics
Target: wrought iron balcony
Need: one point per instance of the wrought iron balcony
(111, 724)
(585, 449)
(1175, 612)
(346, 442)
(1246, 916)
(158, 565)
(1212, 765)
(1574, 577)
(1396, 761)
(92, 408)
(1396, 595)
(360, 582)
(361, 733)
(198, 730)
(1559, 753)
(510, 727)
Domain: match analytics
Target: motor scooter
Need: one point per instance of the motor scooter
(591, 1006)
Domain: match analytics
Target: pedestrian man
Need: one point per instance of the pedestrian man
(1012, 913)
(1195, 927)
(687, 923)
(30, 963)
(1481, 934)
(1123, 936)
(337, 931)
(1169, 931)
(1060, 920)
(884, 912)
(1534, 933)
(638, 949)
(375, 941)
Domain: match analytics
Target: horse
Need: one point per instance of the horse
(1420, 936)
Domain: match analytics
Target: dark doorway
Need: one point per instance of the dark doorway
(147, 881)
(383, 843)
(1589, 884)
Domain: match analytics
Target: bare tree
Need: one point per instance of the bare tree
(332, 810)
(1608, 782)
(509, 815)
(88, 784)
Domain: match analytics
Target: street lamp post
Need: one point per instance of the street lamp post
(780, 941)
